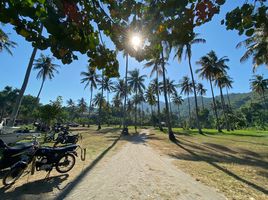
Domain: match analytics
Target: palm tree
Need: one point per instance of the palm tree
(120, 93)
(98, 100)
(46, 69)
(177, 100)
(108, 86)
(220, 83)
(24, 84)
(90, 78)
(171, 89)
(82, 106)
(6, 43)
(259, 85)
(163, 58)
(155, 63)
(212, 67)
(187, 89)
(71, 105)
(100, 109)
(186, 47)
(256, 47)
(150, 98)
(136, 84)
(141, 101)
(201, 91)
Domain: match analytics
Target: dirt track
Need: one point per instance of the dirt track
(138, 172)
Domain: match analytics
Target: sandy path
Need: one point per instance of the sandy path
(138, 172)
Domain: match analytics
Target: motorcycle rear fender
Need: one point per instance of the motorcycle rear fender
(72, 152)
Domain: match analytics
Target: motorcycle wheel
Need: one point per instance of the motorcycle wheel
(13, 175)
(65, 163)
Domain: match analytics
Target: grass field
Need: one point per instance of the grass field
(236, 163)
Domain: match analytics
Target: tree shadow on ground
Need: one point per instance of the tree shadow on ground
(87, 170)
(107, 130)
(39, 187)
(213, 156)
(233, 140)
(138, 138)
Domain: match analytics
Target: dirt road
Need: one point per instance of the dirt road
(139, 172)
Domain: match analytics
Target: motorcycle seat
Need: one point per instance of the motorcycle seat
(20, 147)
(58, 149)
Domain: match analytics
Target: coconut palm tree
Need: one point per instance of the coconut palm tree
(98, 99)
(82, 107)
(150, 98)
(187, 89)
(120, 93)
(220, 83)
(71, 105)
(201, 91)
(24, 84)
(108, 86)
(256, 46)
(136, 84)
(155, 64)
(259, 85)
(177, 100)
(166, 47)
(5, 43)
(46, 70)
(91, 79)
(171, 89)
(186, 47)
(212, 67)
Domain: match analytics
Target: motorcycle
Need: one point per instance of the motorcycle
(12, 155)
(44, 158)
(64, 137)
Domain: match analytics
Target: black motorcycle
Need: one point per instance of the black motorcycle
(64, 137)
(12, 155)
(44, 158)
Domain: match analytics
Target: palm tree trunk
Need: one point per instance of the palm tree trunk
(24, 85)
(179, 112)
(100, 109)
(264, 100)
(215, 107)
(108, 109)
(90, 105)
(170, 106)
(22, 90)
(158, 103)
(170, 132)
(224, 111)
(228, 98)
(195, 96)
(230, 108)
(142, 114)
(189, 109)
(125, 130)
(43, 81)
(136, 113)
(202, 99)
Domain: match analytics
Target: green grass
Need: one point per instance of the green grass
(244, 132)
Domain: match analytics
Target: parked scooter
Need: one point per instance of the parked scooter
(44, 158)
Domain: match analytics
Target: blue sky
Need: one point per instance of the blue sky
(67, 82)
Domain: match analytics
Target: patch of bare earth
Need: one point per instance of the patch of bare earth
(235, 165)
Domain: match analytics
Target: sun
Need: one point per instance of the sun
(136, 41)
